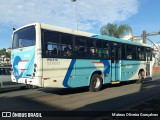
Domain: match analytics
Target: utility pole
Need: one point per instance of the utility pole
(76, 13)
(153, 33)
(144, 35)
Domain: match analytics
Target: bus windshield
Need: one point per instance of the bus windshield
(24, 37)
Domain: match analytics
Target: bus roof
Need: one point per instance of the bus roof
(87, 34)
(66, 30)
(119, 40)
(81, 33)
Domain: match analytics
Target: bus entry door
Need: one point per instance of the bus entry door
(115, 64)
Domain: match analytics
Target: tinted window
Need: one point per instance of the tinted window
(99, 48)
(80, 46)
(67, 45)
(106, 49)
(123, 51)
(90, 49)
(51, 43)
(24, 37)
(129, 52)
(56, 44)
(141, 53)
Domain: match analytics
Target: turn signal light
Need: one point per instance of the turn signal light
(54, 80)
(35, 65)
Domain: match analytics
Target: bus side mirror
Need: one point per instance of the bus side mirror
(14, 29)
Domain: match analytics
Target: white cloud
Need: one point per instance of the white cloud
(90, 13)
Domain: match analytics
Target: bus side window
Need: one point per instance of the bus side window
(66, 45)
(50, 43)
(52, 49)
(88, 52)
(123, 51)
(90, 48)
(141, 53)
(80, 46)
(134, 52)
(67, 51)
(105, 49)
(99, 49)
(129, 52)
(81, 51)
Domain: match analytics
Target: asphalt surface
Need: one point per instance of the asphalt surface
(148, 109)
(123, 97)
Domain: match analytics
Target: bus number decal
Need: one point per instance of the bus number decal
(51, 61)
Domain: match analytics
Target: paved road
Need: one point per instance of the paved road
(79, 99)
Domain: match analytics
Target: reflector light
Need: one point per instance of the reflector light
(54, 80)
(35, 65)
(33, 74)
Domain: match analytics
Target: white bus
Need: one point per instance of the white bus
(50, 56)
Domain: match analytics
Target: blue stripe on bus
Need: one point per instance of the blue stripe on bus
(106, 66)
(15, 68)
(69, 71)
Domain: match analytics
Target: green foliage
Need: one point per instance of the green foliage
(114, 30)
(3, 52)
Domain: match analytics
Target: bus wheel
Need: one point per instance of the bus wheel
(32, 86)
(96, 83)
(140, 77)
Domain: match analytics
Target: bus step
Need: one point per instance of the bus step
(115, 82)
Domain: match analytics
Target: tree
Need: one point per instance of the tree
(2, 51)
(115, 31)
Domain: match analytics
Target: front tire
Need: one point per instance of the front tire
(95, 83)
(140, 77)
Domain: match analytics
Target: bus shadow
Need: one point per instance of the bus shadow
(64, 91)
(146, 91)
(71, 91)
(24, 103)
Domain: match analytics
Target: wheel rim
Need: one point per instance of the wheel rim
(97, 82)
(140, 76)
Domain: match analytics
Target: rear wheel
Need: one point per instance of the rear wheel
(96, 83)
(32, 86)
(140, 77)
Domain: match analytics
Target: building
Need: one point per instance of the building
(133, 38)
(4, 59)
(8, 49)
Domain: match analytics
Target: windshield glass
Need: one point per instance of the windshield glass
(24, 37)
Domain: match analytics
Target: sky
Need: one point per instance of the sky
(91, 15)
